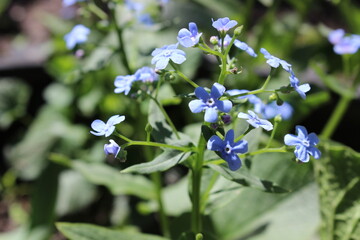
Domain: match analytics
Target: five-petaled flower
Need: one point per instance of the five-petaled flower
(224, 24)
(210, 102)
(304, 144)
(302, 89)
(162, 56)
(344, 44)
(275, 62)
(228, 149)
(146, 74)
(107, 128)
(189, 38)
(112, 149)
(124, 83)
(255, 121)
(78, 34)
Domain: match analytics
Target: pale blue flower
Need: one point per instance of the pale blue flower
(344, 44)
(112, 148)
(271, 110)
(77, 35)
(228, 149)
(224, 24)
(189, 38)
(107, 128)
(226, 41)
(67, 3)
(304, 144)
(210, 103)
(162, 56)
(243, 46)
(255, 121)
(302, 89)
(274, 61)
(146, 74)
(124, 83)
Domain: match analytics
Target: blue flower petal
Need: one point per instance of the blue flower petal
(233, 161)
(314, 152)
(301, 132)
(98, 125)
(240, 146)
(109, 131)
(313, 139)
(196, 105)
(229, 137)
(224, 106)
(215, 144)
(292, 140)
(302, 154)
(162, 63)
(202, 94)
(217, 90)
(178, 58)
(211, 115)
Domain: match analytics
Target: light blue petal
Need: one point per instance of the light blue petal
(211, 115)
(314, 152)
(178, 58)
(215, 144)
(116, 119)
(162, 63)
(196, 106)
(265, 124)
(193, 28)
(273, 62)
(301, 132)
(224, 106)
(302, 154)
(240, 146)
(217, 90)
(313, 139)
(98, 125)
(243, 115)
(109, 131)
(292, 140)
(202, 94)
(265, 53)
(97, 133)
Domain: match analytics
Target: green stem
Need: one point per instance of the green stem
(196, 223)
(168, 119)
(178, 72)
(97, 11)
(266, 150)
(336, 117)
(276, 124)
(156, 178)
(224, 60)
(207, 49)
(122, 136)
(119, 33)
(155, 144)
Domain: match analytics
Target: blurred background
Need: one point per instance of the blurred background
(49, 96)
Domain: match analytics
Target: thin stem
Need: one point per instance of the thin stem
(207, 49)
(155, 144)
(178, 72)
(196, 222)
(119, 33)
(168, 119)
(156, 178)
(336, 117)
(266, 150)
(122, 136)
(97, 11)
(276, 124)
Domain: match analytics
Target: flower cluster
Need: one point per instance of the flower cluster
(220, 106)
(344, 44)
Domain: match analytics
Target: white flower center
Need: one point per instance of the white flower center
(228, 149)
(306, 143)
(210, 102)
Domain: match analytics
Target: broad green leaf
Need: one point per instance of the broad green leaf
(162, 162)
(116, 182)
(246, 179)
(339, 181)
(252, 213)
(81, 231)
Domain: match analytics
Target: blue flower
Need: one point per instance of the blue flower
(255, 121)
(78, 34)
(146, 74)
(106, 129)
(271, 110)
(344, 44)
(304, 144)
(67, 3)
(162, 56)
(226, 41)
(224, 24)
(274, 61)
(124, 83)
(112, 148)
(228, 149)
(302, 89)
(243, 46)
(210, 102)
(189, 38)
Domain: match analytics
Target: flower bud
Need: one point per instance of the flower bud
(278, 118)
(238, 30)
(226, 119)
(214, 40)
(112, 149)
(273, 97)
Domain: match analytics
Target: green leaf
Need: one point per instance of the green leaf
(246, 179)
(81, 231)
(338, 176)
(162, 162)
(116, 182)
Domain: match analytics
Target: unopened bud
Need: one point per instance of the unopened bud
(148, 128)
(238, 30)
(226, 119)
(278, 118)
(273, 97)
(214, 40)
